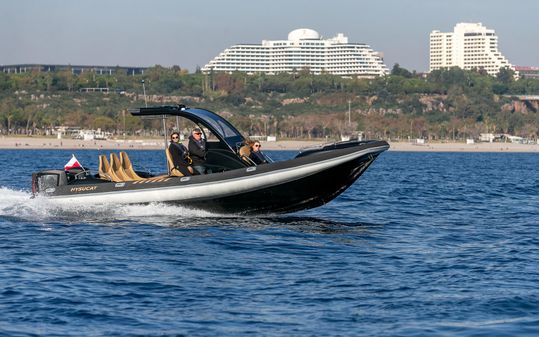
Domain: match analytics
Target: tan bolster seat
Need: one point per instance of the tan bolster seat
(245, 152)
(128, 167)
(117, 167)
(105, 170)
(172, 171)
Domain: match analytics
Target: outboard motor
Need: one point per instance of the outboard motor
(47, 181)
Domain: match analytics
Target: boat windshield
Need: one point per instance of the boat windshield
(219, 125)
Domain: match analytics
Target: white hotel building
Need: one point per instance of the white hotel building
(470, 45)
(304, 49)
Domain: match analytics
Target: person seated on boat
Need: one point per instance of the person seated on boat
(256, 154)
(180, 155)
(197, 151)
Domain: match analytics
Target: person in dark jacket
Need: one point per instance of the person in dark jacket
(180, 155)
(197, 151)
(256, 154)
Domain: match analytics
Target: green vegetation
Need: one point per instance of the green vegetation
(445, 104)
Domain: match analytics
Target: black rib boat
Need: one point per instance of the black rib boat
(314, 177)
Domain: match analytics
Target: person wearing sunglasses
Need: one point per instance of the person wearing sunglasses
(256, 154)
(198, 150)
(180, 155)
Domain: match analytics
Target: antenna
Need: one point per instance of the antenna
(144, 91)
(349, 113)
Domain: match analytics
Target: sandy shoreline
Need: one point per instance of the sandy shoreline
(462, 147)
(120, 144)
(294, 145)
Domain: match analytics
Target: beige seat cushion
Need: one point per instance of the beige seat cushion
(172, 171)
(105, 170)
(116, 166)
(128, 167)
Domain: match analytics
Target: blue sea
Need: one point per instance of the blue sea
(423, 244)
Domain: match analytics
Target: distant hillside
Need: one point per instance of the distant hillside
(446, 104)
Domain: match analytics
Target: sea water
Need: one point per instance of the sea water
(423, 244)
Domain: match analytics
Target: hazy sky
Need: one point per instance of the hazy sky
(190, 33)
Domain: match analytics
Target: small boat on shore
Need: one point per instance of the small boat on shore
(315, 176)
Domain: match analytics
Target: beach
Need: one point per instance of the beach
(24, 142)
(463, 147)
(32, 143)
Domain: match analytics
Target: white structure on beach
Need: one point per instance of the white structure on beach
(470, 45)
(304, 49)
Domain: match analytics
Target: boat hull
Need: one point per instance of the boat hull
(304, 193)
(281, 187)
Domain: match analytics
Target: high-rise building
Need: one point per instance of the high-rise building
(304, 49)
(469, 46)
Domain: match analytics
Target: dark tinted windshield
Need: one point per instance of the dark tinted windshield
(220, 126)
(217, 124)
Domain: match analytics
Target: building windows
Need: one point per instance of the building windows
(332, 56)
(469, 46)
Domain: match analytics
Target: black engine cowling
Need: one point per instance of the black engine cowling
(48, 181)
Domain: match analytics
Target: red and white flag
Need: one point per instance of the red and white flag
(72, 163)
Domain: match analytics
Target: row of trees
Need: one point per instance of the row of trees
(444, 104)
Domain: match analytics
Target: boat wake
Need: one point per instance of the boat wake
(18, 205)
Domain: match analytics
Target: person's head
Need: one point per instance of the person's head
(196, 133)
(256, 146)
(175, 137)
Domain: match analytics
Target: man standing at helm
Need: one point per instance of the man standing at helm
(197, 151)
